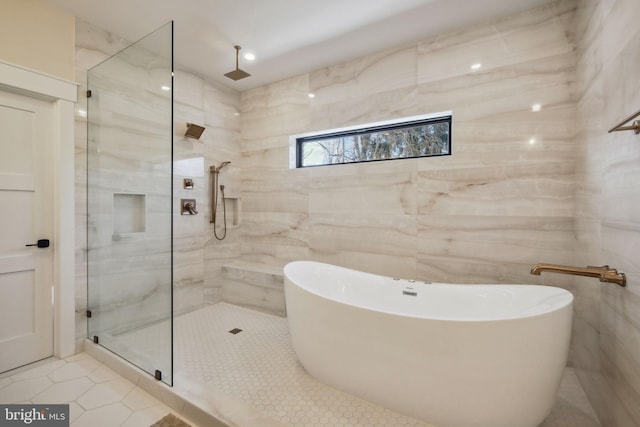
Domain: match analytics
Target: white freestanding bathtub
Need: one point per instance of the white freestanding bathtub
(451, 355)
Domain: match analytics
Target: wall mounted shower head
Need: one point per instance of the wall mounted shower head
(214, 169)
(237, 74)
(194, 131)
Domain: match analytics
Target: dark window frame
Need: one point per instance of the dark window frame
(410, 123)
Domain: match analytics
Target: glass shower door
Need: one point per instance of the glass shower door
(129, 203)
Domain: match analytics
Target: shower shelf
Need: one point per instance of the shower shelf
(232, 211)
(129, 214)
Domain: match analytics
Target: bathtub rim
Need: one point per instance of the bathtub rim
(562, 294)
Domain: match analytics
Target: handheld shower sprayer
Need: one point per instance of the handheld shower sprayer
(215, 171)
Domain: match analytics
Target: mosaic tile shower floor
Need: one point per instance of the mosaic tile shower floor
(259, 367)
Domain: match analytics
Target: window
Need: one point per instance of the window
(423, 136)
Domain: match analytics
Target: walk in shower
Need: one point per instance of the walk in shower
(129, 202)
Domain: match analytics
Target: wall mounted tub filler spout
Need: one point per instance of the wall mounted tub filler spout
(604, 273)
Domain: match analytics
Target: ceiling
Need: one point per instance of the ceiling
(288, 37)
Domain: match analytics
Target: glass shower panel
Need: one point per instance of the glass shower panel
(129, 198)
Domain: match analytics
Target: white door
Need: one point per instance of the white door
(26, 304)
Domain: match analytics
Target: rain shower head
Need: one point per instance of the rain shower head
(237, 74)
(194, 131)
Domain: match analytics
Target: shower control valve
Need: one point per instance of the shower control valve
(188, 207)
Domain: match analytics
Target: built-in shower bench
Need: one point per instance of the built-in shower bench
(254, 285)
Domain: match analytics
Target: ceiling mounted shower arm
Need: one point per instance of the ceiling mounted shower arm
(237, 74)
(237, 48)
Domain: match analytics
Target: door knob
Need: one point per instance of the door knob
(42, 243)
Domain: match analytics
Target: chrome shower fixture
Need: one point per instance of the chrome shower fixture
(237, 74)
(194, 131)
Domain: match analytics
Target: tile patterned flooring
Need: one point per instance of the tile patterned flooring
(97, 396)
(251, 378)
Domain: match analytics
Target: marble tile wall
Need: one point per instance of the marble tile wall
(197, 254)
(503, 201)
(607, 340)
(521, 187)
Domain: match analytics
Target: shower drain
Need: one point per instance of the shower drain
(235, 331)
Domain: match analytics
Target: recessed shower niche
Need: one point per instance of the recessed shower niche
(129, 213)
(232, 210)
